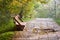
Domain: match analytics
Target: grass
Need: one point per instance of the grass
(7, 30)
(57, 21)
(7, 27)
(6, 36)
(27, 19)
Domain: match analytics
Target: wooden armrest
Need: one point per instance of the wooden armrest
(18, 22)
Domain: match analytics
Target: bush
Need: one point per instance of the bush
(6, 36)
(7, 27)
(57, 21)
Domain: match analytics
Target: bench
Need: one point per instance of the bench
(19, 26)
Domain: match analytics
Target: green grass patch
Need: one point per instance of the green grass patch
(27, 19)
(6, 36)
(7, 27)
(57, 21)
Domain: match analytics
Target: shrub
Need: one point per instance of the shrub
(6, 36)
(57, 21)
(7, 27)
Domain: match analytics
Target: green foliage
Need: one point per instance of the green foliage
(14, 7)
(7, 26)
(27, 11)
(57, 20)
(6, 36)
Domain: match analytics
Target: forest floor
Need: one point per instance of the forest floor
(46, 23)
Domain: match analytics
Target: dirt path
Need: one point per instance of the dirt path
(39, 23)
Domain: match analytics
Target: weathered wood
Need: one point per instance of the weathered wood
(19, 26)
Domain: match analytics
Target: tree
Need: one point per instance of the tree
(28, 9)
(24, 7)
(6, 22)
